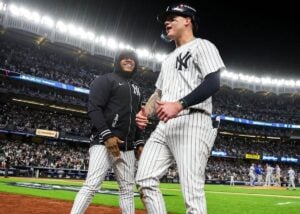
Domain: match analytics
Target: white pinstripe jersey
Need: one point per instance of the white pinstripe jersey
(278, 170)
(185, 68)
(291, 174)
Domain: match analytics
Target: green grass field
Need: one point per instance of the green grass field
(220, 199)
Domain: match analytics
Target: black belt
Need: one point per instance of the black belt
(195, 110)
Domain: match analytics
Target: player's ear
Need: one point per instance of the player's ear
(188, 21)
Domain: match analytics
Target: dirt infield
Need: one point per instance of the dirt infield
(264, 187)
(13, 204)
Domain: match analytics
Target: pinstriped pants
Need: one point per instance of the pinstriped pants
(100, 162)
(188, 140)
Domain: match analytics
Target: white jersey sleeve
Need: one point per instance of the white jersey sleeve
(208, 58)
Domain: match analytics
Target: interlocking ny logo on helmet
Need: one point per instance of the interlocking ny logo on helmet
(180, 10)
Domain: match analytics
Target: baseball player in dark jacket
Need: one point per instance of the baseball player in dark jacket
(114, 100)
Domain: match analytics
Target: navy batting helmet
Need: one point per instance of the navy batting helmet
(180, 9)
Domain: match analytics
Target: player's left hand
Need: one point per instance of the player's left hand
(112, 145)
(168, 110)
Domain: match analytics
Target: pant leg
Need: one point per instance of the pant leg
(191, 138)
(6, 173)
(267, 180)
(293, 183)
(279, 181)
(154, 163)
(99, 163)
(124, 171)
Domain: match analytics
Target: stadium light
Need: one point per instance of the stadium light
(112, 44)
(25, 13)
(2, 6)
(143, 53)
(251, 79)
(128, 47)
(102, 40)
(278, 82)
(47, 21)
(35, 17)
(14, 10)
(227, 74)
(223, 73)
(121, 46)
(61, 26)
(266, 81)
(243, 77)
(72, 30)
(290, 83)
(234, 77)
(97, 40)
(160, 57)
(90, 36)
(81, 33)
(75, 31)
(257, 80)
(150, 56)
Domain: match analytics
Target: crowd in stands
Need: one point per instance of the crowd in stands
(27, 119)
(258, 106)
(29, 59)
(236, 146)
(53, 154)
(35, 60)
(43, 93)
(64, 156)
(255, 130)
(222, 169)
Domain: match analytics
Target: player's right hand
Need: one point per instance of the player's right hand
(141, 118)
(112, 145)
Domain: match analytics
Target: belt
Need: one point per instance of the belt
(195, 110)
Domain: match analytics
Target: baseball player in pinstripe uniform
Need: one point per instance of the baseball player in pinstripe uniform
(252, 174)
(189, 76)
(269, 171)
(114, 100)
(291, 173)
(277, 175)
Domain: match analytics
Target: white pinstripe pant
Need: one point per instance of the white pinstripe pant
(100, 162)
(188, 139)
(291, 183)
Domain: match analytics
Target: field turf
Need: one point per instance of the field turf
(220, 198)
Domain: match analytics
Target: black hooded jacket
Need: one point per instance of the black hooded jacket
(114, 101)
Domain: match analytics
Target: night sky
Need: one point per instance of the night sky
(255, 37)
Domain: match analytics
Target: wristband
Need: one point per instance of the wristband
(183, 103)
